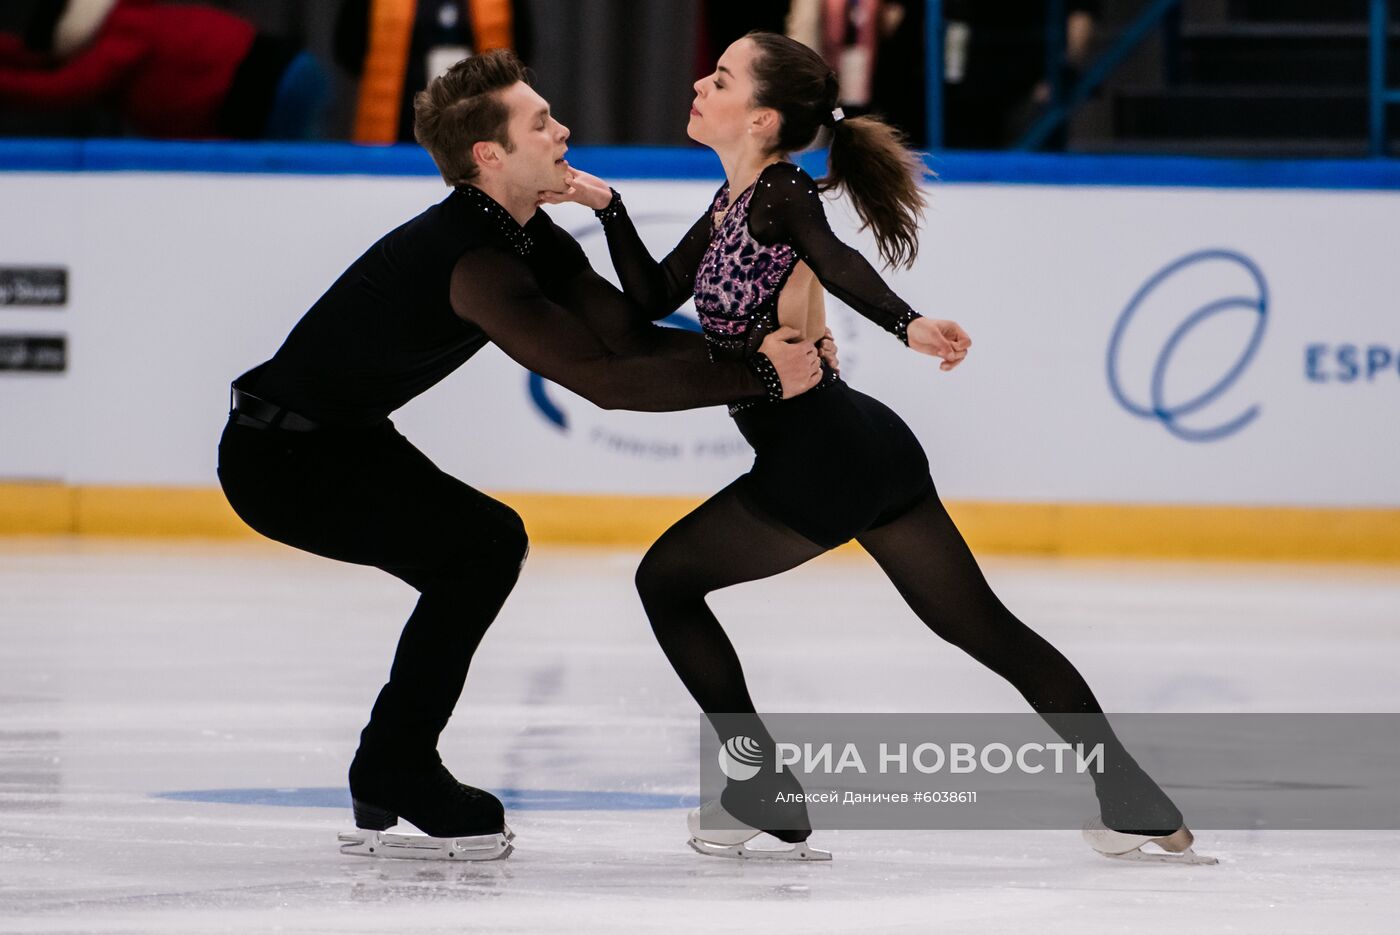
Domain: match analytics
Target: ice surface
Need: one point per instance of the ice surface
(133, 671)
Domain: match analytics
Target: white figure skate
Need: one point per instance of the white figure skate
(731, 842)
(1174, 848)
(363, 842)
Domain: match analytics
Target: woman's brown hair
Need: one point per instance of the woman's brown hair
(868, 158)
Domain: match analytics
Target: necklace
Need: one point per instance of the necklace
(722, 211)
(719, 213)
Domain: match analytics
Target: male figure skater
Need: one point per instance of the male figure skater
(310, 458)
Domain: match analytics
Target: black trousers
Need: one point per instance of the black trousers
(367, 496)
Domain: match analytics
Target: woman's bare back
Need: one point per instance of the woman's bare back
(802, 303)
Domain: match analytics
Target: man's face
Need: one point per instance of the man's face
(536, 163)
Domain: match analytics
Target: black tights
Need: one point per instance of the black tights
(725, 541)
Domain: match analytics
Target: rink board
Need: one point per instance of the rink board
(1168, 368)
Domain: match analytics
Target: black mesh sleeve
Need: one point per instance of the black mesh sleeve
(787, 208)
(659, 288)
(497, 292)
(621, 325)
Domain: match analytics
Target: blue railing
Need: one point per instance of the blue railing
(1097, 73)
(1062, 102)
(1163, 13)
(1381, 96)
(933, 74)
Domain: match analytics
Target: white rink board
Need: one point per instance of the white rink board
(178, 282)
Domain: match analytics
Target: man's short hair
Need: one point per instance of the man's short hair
(461, 108)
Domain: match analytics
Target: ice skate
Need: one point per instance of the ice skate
(1174, 848)
(733, 842)
(366, 843)
(457, 821)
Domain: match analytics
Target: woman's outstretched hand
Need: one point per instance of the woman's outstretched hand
(582, 189)
(938, 338)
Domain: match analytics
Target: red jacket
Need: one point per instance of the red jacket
(165, 67)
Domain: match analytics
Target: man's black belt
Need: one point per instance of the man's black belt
(247, 409)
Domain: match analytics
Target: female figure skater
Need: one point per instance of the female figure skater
(833, 464)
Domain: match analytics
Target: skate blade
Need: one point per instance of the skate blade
(363, 843)
(799, 851)
(1121, 846)
(1187, 857)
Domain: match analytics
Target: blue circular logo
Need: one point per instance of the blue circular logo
(1156, 406)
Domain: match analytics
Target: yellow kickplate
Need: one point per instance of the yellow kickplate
(1074, 529)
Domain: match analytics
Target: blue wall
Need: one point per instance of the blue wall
(694, 163)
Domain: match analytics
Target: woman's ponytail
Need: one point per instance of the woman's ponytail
(869, 159)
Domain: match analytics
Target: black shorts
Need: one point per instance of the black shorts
(831, 463)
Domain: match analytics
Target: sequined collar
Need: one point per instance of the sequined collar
(725, 210)
(722, 204)
(498, 218)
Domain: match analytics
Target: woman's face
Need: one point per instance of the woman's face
(723, 110)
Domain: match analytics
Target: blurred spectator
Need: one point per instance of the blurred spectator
(899, 83)
(170, 70)
(876, 47)
(396, 46)
(850, 32)
(995, 66)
